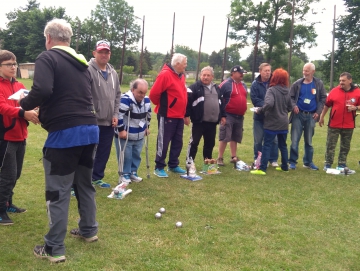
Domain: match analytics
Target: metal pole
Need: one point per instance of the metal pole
(142, 47)
(291, 38)
(123, 53)
(198, 65)
(172, 43)
(224, 61)
(332, 53)
(77, 38)
(256, 47)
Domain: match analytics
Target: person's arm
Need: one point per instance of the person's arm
(41, 89)
(269, 101)
(293, 93)
(255, 95)
(323, 114)
(158, 88)
(322, 99)
(124, 108)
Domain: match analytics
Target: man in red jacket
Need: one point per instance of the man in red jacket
(169, 94)
(344, 100)
(13, 134)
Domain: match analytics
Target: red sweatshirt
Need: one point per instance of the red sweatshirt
(169, 94)
(13, 126)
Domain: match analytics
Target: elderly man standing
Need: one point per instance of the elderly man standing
(344, 100)
(234, 93)
(105, 89)
(308, 96)
(257, 93)
(62, 89)
(205, 110)
(169, 95)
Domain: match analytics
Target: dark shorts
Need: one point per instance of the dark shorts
(232, 130)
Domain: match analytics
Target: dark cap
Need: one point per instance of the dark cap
(238, 69)
(101, 45)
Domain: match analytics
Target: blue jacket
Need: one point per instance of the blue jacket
(257, 94)
(140, 116)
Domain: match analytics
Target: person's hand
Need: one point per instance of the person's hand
(315, 116)
(187, 121)
(122, 134)
(296, 110)
(114, 122)
(321, 121)
(147, 132)
(223, 121)
(32, 116)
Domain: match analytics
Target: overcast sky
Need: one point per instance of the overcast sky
(188, 21)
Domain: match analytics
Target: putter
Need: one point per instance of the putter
(147, 150)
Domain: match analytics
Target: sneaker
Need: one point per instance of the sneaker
(160, 173)
(135, 178)
(327, 166)
(258, 172)
(177, 170)
(280, 169)
(220, 161)
(125, 179)
(292, 166)
(100, 184)
(311, 166)
(274, 164)
(39, 252)
(14, 209)
(72, 192)
(234, 160)
(5, 219)
(76, 233)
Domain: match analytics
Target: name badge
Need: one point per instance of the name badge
(313, 91)
(141, 124)
(307, 101)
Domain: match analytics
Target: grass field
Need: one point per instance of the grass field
(301, 220)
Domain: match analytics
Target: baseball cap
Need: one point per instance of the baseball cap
(101, 45)
(238, 69)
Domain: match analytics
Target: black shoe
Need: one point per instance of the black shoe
(76, 233)
(40, 252)
(14, 209)
(5, 219)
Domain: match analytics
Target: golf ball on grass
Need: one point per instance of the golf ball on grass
(158, 215)
(162, 210)
(178, 224)
(116, 192)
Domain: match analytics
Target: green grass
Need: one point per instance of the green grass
(301, 220)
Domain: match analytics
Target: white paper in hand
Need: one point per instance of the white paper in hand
(254, 109)
(16, 95)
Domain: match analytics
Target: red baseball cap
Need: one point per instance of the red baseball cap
(101, 45)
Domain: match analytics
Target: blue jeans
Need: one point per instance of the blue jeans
(302, 122)
(268, 141)
(258, 131)
(132, 154)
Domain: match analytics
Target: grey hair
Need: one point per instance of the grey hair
(177, 58)
(348, 75)
(59, 30)
(134, 84)
(208, 68)
(311, 65)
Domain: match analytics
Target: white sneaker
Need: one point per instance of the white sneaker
(274, 164)
(135, 178)
(124, 179)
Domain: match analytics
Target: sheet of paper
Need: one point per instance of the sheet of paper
(16, 95)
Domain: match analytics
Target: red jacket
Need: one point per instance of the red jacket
(234, 96)
(339, 115)
(169, 94)
(13, 126)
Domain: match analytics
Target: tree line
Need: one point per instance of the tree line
(270, 21)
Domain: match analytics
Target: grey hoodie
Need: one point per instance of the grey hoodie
(106, 93)
(277, 105)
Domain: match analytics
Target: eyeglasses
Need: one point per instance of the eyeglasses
(10, 65)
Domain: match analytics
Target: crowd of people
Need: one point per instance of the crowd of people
(79, 104)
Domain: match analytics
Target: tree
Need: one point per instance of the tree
(275, 24)
(215, 59)
(347, 56)
(24, 35)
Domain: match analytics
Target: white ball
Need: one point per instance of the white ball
(157, 215)
(162, 210)
(178, 224)
(116, 192)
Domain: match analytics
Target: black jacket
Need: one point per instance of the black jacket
(195, 105)
(62, 89)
